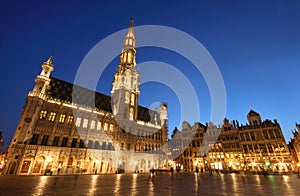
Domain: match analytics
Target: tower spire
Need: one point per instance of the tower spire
(126, 82)
(129, 42)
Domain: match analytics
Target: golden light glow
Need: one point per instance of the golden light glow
(48, 159)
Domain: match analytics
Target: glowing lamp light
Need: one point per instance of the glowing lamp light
(49, 159)
(267, 163)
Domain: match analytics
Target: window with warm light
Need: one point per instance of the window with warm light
(111, 127)
(93, 124)
(52, 116)
(43, 114)
(85, 123)
(70, 120)
(62, 118)
(98, 125)
(78, 122)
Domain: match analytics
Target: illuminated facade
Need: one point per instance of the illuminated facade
(294, 146)
(257, 146)
(1, 142)
(63, 130)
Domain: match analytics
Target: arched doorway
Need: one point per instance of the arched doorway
(143, 165)
(38, 165)
(26, 164)
(12, 168)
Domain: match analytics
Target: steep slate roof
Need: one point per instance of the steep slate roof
(62, 90)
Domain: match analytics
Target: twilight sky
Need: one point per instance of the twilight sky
(256, 45)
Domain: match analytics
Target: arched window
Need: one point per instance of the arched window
(131, 113)
(132, 99)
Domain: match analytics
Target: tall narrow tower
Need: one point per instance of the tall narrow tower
(42, 80)
(125, 87)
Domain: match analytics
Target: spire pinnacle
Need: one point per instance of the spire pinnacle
(129, 42)
(50, 60)
(131, 21)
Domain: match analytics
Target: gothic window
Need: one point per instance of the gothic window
(247, 136)
(64, 142)
(129, 54)
(271, 133)
(78, 122)
(98, 125)
(97, 145)
(93, 124)
(277, 133)
(103, 145)
(276, 147)
(111, 127)
(81, 143)
(128, 146)
(43, 114)
(62, 118)
(282, 148)
(85, 123)
(70, 162)
(45, 140)
(270, 148)
(252, 136)
(25, 166)
(131, 113)
(70, 120)
(245, 149)
(34, 139)
(263, 148)
(74, 142)
(55, 141)
(127, 96)
(266, 136)
(52, 116)
(90, 144)
(132, 99)
(105, 126)
(256, 148)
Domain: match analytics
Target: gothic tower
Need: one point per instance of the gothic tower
(34, 100)
(42, 80)
(125, 87)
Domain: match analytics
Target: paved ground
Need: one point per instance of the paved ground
(143, 184)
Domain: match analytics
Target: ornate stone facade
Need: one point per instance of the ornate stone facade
(257, 146)
(63, 130)
(294, 146)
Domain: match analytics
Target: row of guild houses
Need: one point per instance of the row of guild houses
(257, 146)
(294, 146)
(67, 129)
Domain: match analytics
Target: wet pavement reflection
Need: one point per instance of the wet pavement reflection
(147, 184)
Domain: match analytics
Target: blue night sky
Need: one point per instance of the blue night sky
(256, 45)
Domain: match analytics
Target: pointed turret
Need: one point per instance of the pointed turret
(129, 42)
(42, 80)
(127, 57)
(50, 60)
